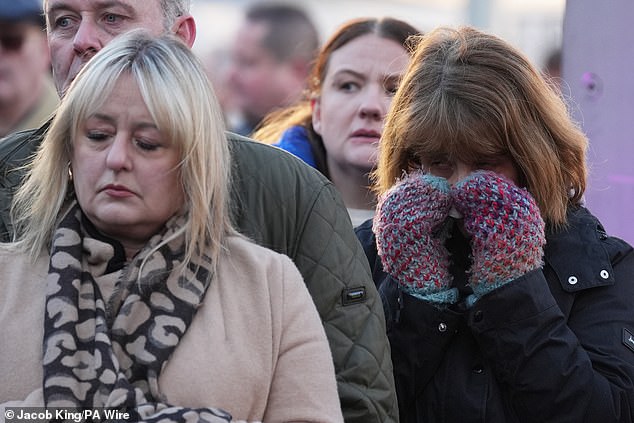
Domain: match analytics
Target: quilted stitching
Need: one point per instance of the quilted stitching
(315, 231)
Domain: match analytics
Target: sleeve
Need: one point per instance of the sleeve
(15, 151)
(283, 204)
(338, 277)
(303, 386)
(562, 367)
(365, 235)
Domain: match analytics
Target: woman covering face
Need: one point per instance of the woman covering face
(151, 303)
(337, 127)
(505, 298)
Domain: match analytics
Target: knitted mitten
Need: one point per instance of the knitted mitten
(506, 228)
(409, 225)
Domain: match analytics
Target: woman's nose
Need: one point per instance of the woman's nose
(373, 104)
(461, 171)
(118, 157)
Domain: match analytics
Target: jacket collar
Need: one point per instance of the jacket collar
(577, 254)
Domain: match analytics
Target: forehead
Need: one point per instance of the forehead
(148, 9)
(369, 52)
(125, 90)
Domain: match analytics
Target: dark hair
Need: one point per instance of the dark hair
(277, 122)
(291, 32)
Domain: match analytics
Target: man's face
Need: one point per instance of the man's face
(260, 82)
(77, 29)
(23, 61)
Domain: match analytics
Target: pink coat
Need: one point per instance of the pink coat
(256, 348)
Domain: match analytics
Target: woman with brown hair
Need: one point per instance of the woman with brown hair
(337, 126)
(505, 299)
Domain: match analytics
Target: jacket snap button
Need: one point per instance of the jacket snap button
(442, 327)
(572, 280)
(478, 369)
(605, 274)
(478, 316)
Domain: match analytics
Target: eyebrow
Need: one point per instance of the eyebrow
(100, 116)
(350, 72)
(393, 77)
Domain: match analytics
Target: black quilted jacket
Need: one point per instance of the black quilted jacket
(285, 205)
(555, 345)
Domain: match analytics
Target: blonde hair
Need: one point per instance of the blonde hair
(468, 94)
(181, 101)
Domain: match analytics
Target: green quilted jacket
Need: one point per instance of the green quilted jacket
(285, 205)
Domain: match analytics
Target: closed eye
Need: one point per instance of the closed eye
(97, 135)
(147, 146)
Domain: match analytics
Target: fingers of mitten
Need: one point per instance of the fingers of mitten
(418, 202)
(420, 270)
(409, 213)
(483, 192)
(405, 224)
(494, 207)
(506, 227)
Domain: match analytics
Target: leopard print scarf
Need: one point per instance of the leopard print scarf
(100, 353)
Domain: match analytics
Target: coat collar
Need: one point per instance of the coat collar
(578, 253)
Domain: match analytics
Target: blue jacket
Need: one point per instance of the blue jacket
(295, 141)
(555, 345)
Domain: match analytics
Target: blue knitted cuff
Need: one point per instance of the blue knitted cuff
(439, 299)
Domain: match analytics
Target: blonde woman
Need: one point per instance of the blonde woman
(128, 271)
(276, 201)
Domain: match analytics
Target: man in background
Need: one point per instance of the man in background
(27, 93)
(272, 54)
